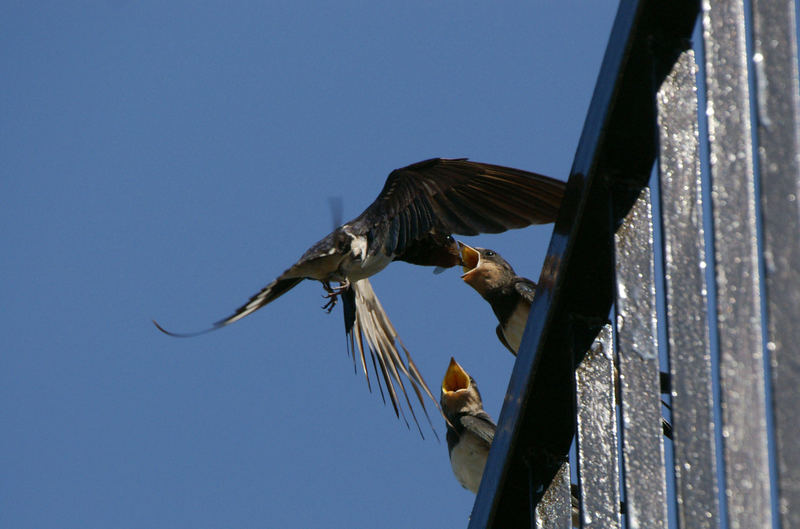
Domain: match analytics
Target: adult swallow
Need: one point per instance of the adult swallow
(509, 295)
(412, 219)
(470, 430)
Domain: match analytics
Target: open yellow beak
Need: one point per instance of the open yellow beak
(470, 257)
(455, 378)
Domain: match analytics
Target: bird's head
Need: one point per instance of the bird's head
(459, 391)
(484, 269)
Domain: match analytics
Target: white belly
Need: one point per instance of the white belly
(363, 265)
(515, 326)
(367, 267)
(468, 460)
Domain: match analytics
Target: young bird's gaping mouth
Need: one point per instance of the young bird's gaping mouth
(470, 258)
(455, 378)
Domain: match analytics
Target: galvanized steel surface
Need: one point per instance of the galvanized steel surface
(554, 511)
(497, 503)
(598, 459)
(686, 299)
(642, 446)
(576, 286)
(778, 111)
(736, 256)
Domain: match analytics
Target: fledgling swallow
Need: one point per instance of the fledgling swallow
(470, 430)
(412, 219)
(509, 295)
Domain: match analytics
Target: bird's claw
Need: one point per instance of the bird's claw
(333, 294)
(328, 306)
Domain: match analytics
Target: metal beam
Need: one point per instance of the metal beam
(637, 353)
(575, 292)
(695, 460)
(598, 460)
(778, 107)
(744, 422)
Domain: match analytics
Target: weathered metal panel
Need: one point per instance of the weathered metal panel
(736, 257)
(598, 459)
(778, 108)
(686, 299)
(498, 503)
(537, 422)
(554, 511)
(637, 350)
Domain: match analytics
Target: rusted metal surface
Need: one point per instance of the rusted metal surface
(778, 114)
(739, 315)
(695, 461)
(598, 459)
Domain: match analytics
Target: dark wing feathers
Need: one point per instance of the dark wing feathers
(266, 295)
(392, 234)
(502, 337)
(349, 310)
(424, 213)
(412, 218)
(456, 196)
(526, 288)
(495, 197)
(447, 214)
(481, 217)
(481, 425)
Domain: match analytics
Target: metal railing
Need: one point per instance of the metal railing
(730, 298)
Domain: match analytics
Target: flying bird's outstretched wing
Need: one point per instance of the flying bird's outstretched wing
(425, 201)
(267, 294)
(412, 219)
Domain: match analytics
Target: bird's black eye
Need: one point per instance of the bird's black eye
(489, 253)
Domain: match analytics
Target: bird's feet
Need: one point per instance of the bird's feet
(333, 293)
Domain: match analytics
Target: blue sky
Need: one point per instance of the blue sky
(167, 160)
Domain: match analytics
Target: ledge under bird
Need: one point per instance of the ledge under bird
(412, 219)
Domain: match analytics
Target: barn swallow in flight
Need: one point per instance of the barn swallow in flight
(412, 220)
